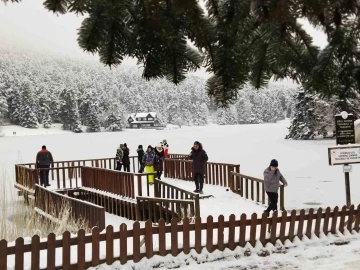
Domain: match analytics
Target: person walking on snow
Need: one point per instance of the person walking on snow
(126, 158)
(148, 161)
(159, 160)
(140, 153)
(119, 157)
(43, 160)
(272, 179)
(199, 157)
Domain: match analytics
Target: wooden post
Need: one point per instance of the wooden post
(347, 188)
(197, 205)
(282, 199)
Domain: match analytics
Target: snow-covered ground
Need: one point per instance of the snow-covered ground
(318, 254)
(312, 182)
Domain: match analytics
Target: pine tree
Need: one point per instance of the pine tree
(69, 112)
(114, 122)
(3, 108)
(303, 125)
(226, 116)
(46, 117)
(14, 105)
(28, 117)
(93, 120)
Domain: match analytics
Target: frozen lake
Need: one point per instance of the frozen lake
(312, 182)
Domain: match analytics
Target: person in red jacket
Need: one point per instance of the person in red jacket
(166, 148)
(44, 159)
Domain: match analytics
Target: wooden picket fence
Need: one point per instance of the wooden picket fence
(197, 235)
(252, 188)
(53, 203)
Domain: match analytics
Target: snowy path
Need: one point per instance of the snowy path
(222, 203)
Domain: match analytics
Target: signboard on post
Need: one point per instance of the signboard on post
(340, 155)
(345, 131)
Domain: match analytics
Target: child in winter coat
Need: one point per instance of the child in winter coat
(148, 161)
(140, 153)
(119, 157)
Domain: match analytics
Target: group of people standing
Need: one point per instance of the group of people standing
(150, 161)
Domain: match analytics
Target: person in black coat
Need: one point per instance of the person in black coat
(140, 153)
(199, 158)
(159, 160)
(126, 158)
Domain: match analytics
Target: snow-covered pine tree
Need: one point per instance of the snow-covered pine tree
(243, 108)
(14, 105)
(3, 108)
(226, 116)
(303, 125)
(46, 121)
(28, 117)
(69, 112)
(93, 120)
(114, 122)
(161, 118)
(200, 114)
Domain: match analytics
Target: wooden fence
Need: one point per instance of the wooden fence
(197, 235)
(155, 209)
(119, 183)
(215, 173)
(53, 203)
(168, 191)
(112, 205)
(253, 188)
(105, 163)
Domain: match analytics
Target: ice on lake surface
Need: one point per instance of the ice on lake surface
(312, 182)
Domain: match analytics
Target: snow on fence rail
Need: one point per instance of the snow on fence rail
(51, 203)
(111, 203)
(215, 173)
(125, 245)
(119, 183)
(168, 191)
(253, 188)
(154, 209)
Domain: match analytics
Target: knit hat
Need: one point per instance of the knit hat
(274, 163)
(197, 143)
(149, 147)
(159, 145)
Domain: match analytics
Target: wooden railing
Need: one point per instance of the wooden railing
(252, 188)
(215, 173)
(168, 191)
(119, 183)
(112, 205)
(155, 209)
(53, 203)
(177, 156)
(104, 163)
(26, 178)
(114, 245)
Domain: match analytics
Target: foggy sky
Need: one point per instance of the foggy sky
(29, 25)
